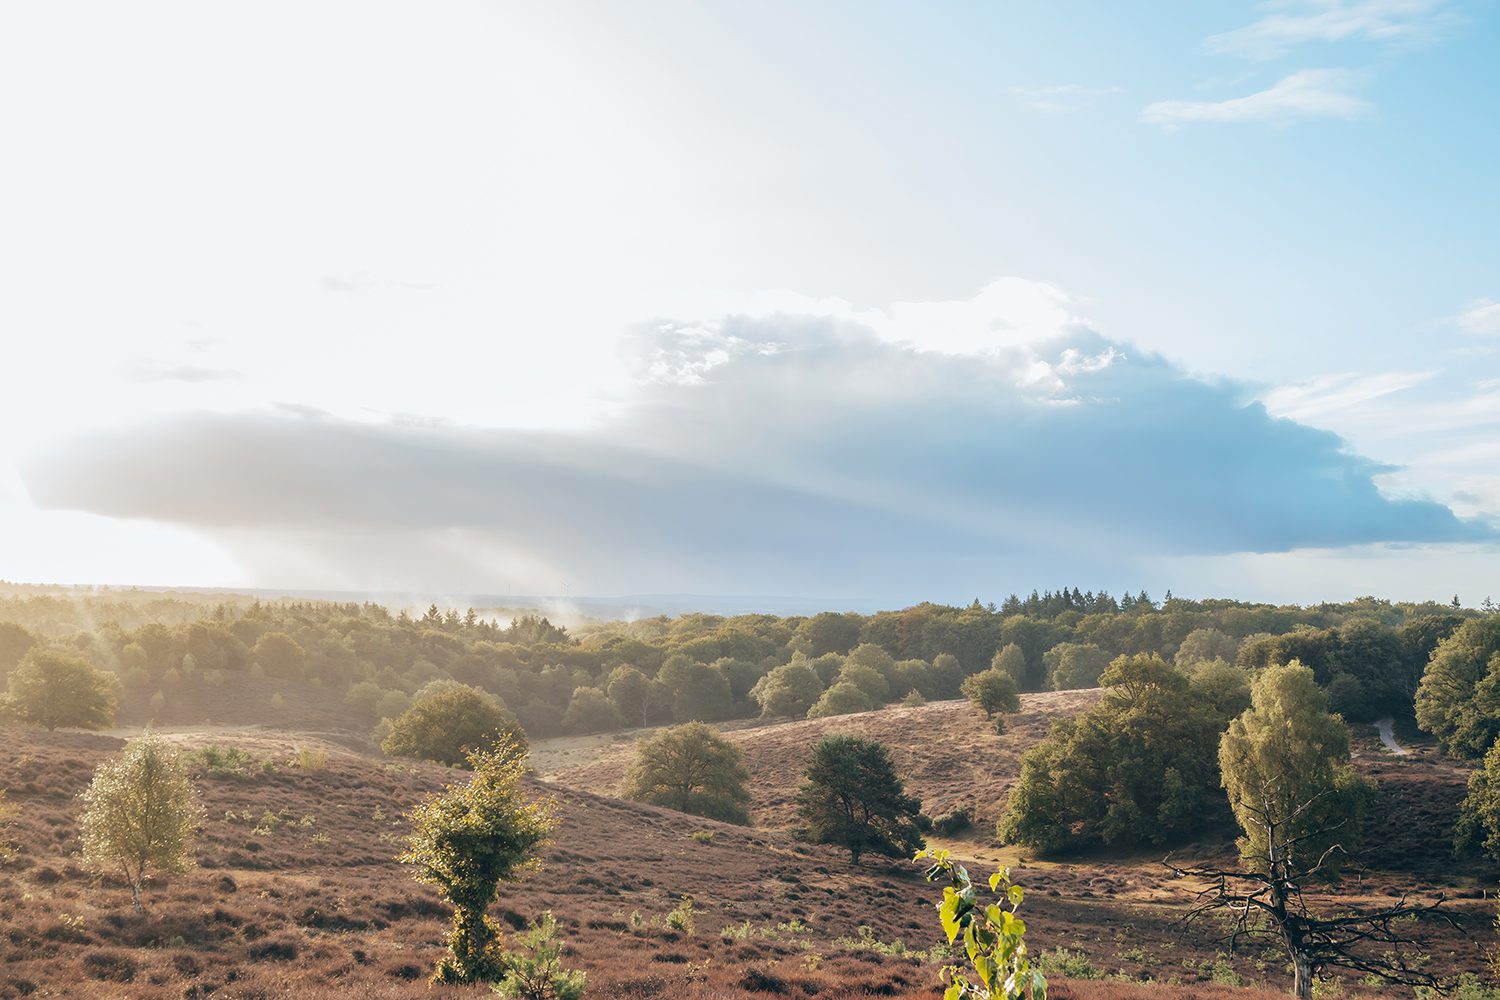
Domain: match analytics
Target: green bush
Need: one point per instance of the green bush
(533, 969)
(450, 723)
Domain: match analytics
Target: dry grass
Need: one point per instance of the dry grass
(296, 894)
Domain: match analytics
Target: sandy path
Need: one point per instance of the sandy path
(1387, 729)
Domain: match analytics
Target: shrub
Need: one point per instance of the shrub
(534, 971)
(681, 918)
(952, 822)
(466, 841)
(450, 723)
(692, 769)
(591, 711)
(841, 698)
(789, 689)
(225, 761)
(308, 759)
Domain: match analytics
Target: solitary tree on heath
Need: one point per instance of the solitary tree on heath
(140, 814)
(851, 796)
(692, 769)
(465, 841)
(992, 691)
(53, 688)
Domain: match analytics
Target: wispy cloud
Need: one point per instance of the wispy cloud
(1308, 93)
(1481, 318)
(1060, 99)
(156, 371)
(1298, 23)
(1317, 397)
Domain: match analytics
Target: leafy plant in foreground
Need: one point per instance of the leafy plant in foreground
(994, 938)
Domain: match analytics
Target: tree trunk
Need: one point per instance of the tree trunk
(1302, 976)
(135, 895)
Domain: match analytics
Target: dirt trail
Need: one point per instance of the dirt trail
(1387, 729)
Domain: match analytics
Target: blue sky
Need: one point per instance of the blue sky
(889, 301)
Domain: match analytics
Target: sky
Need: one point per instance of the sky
(844, 301)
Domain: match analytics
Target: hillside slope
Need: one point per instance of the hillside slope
(945, 751)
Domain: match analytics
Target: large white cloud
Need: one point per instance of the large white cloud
(941, 449)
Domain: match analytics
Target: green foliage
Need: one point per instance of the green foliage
(630, 690)
(592, 711)
(140, 814)
(1459, 697)
(692, 769)
(1069, 964)
(465, 841)
(1224, 689)
(1204, 644)
(790, 689)
(994, 938)
(533, 968)
(1011, 659)
(1137, 768)
(450, 723)
(681, 918)
(52, 688)
(309, 759)
(992, 691)
(225, 761)
(871, 682)
(1285, 765)
(703, 836)
(1073, 665)
(842, 698)
(7, 816)
(280, 656)
(851, 796)
(700, 693)
(1479, 817)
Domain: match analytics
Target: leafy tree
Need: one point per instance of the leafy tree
(868, 656)
(280, 656)
(843, 698)
(634, 694)
(1011, 659)
(1297, 800)
(1073, 665)
(448, 724)
(1222, 688)
(468, 839)
(992, 691)
(944, 677)
(1137, 768)
(851, 796)
(140, 814)
(591, 711)
(1204, 644)
(52, 688)
(869, 680)
(827, 632)
(699, 692)
(1479, 818)
(15, 642)
(994, 938)
(1285, 765)
(692, 769)
(1459, 698)
(790, 689)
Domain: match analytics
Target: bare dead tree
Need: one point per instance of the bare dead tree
(1265, 901)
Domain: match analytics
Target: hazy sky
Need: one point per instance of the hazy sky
(889, 301)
